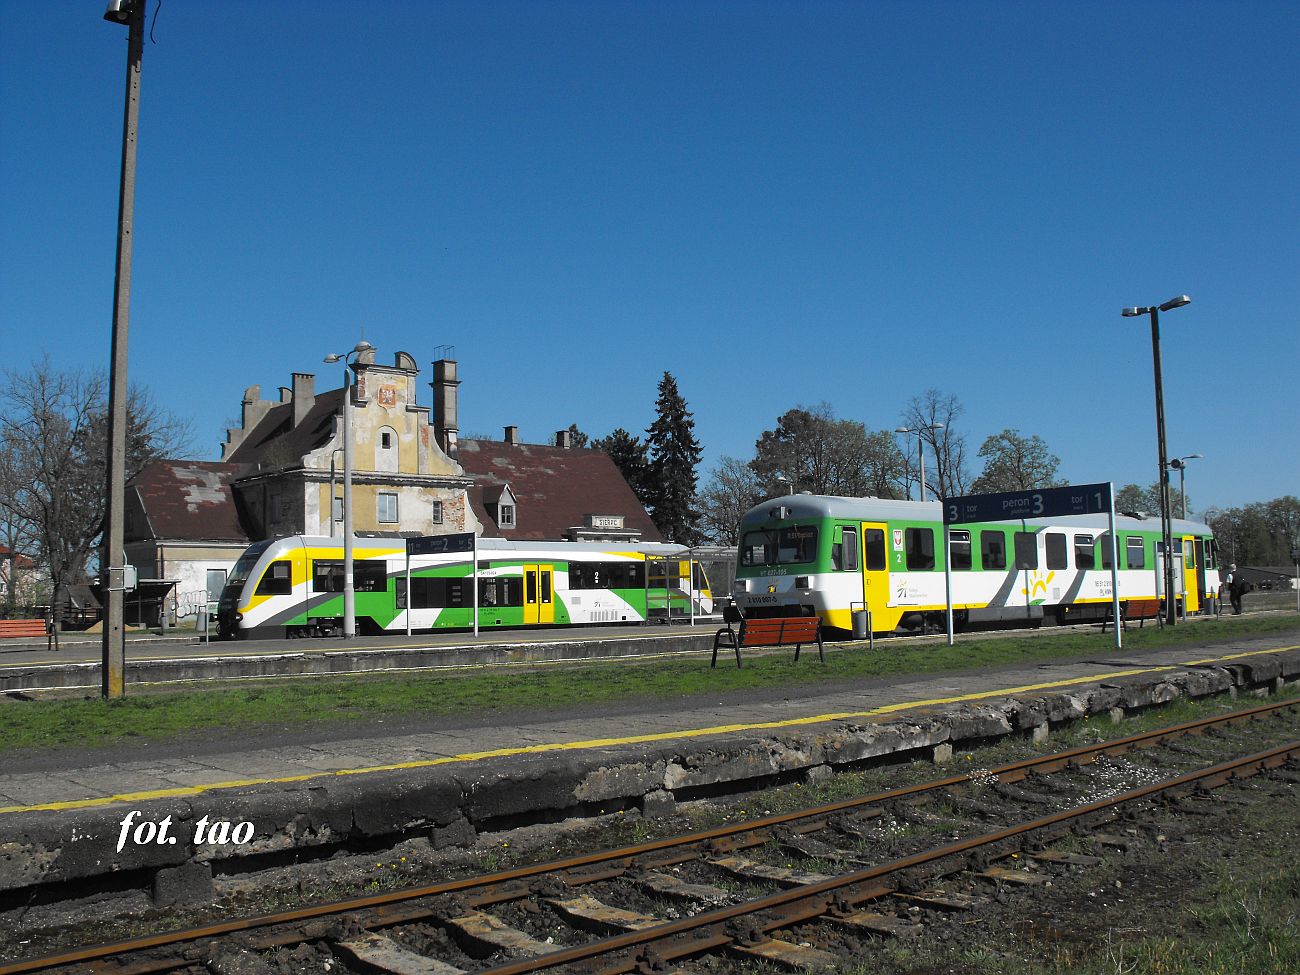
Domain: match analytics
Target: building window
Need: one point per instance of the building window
(386, 458)
(387, 508)
(274, 507)
(506, 515)
(435, 512)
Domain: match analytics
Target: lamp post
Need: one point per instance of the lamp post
(349, 590)
(1179, 464)
(1171, 607)
(920, 447)
(113, 556)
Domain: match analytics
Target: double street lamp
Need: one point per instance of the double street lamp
(349, 589)
(1171, 604)
(920, 447)
(1179, 464)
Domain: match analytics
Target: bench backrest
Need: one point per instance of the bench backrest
(778, 631)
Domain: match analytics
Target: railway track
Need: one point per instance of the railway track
(803, 890)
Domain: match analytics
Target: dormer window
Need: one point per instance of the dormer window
(501, 504)
(506, 516)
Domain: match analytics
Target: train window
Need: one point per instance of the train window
(368, 575)
(1084, 554)
(1026, 544)
(758, 548)
(1211, 554)
(844, 553)
(1189, 554)
(1135, 552)
(277, 580)
(501, 591)
(608, 575)
(993, 549)
(920, 548)
(531, 586)
(1057, 553)
(797, 543)
(1103, 542)
(873, 543)
(433, 593)
(959, 546)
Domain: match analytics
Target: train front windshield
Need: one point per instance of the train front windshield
(239, 574)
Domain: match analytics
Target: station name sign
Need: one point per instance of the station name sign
(440, 544)
(1077, 499)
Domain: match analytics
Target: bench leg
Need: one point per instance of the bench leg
(797, 648)
(821, 650)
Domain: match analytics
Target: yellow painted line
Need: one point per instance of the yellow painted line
(194, 790)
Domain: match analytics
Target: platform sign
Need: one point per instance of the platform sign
(1077, 499)
(440, 544)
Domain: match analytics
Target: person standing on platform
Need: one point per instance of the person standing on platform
(1236, 588)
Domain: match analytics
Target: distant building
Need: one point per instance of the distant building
(281, 473)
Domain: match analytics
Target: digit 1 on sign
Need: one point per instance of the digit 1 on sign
(1097, 499)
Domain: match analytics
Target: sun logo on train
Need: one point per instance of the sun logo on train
(1037, 583)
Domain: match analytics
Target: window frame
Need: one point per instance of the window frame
(988, 554)
(1023, 543)
(919, 553)
(963, 558)
(1089, 547)
(380, 498)
(1141, 549)
(1057, 550)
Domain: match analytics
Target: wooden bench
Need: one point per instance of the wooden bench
(1136, 609)
(776, 631)
(21, 628)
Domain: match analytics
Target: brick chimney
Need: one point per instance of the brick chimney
(304, 395)
(564, 438)
(512, 436)
(446, 430)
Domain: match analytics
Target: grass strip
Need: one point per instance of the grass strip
(331, 700)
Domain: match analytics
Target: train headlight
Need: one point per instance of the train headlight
(740, 585)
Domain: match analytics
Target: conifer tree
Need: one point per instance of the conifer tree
(674, 455)
(629, 455)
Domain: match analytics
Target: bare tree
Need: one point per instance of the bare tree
(53, 451)
(732, 489)
(946, 473)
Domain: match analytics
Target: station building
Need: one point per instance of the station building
(281, 473)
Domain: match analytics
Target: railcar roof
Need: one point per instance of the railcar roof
(888, 509)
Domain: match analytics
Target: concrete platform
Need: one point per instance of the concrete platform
(27, 665)
(62, 815)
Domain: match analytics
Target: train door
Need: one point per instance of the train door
(1193, 576)
(875, 573)
(539, 594)
(1198, 552)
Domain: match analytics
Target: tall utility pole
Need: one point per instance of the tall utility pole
(1166, 515)
(113, 555)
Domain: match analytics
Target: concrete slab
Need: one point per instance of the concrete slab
(506, 771)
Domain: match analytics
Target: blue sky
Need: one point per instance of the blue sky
(780, 203)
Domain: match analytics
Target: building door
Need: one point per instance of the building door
(539, 594)
(875, 573)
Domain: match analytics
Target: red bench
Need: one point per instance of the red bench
(776, 631)
(21, 628)
(1136, 609)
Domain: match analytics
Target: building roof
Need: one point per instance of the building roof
(191, 499)
(276, 442)
(554, 488)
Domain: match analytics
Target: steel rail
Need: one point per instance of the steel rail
(813, 900)
(388, 904)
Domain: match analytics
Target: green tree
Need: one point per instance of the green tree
(1132, 498)
(674, 454)
(629, 455)
(1013, 462)
(813, 450)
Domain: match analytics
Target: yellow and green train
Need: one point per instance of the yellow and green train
(294, 586)
(832, 556)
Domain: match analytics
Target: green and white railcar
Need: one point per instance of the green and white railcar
(294, 586)
(831, 556)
